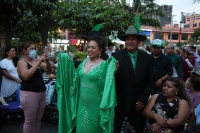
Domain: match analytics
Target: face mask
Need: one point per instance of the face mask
(32, 54)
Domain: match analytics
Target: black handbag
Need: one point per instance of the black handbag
(126, 127)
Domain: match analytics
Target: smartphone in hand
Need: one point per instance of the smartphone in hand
(46, 51)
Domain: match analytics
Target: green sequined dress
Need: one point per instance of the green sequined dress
(86, 100)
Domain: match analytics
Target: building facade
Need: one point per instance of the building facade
(191, 20)
(168, 30)
(167, 10)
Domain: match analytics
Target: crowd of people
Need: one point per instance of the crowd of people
(154, 90)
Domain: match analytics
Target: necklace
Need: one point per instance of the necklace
(91, 63)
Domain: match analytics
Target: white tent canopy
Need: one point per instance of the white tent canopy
(117, 40)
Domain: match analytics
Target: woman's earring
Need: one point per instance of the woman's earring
(100, 55)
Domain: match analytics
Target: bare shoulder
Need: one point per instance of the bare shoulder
(153, 98)
(151, 102)
(184, 105)
(21, 63)
(183, 102)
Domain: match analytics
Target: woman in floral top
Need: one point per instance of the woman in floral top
(169, 111)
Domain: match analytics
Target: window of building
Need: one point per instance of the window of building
(158, 35)
(186, 26)
(174, 36)
(195, 25)
(184, 37)
(199, 24)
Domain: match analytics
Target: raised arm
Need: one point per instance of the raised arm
(23, 70)
(46, 65)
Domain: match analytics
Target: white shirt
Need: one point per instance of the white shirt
(8, 86)
(109, 53)
(197, 61)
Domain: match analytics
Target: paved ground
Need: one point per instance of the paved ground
(12, 128)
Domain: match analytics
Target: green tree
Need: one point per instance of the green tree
(10, 13)
(27, 24)
(45, 15)
(196, 35)
(149, 11)
(197, 32)
(114, 15)
(195, 1)
(13, 10)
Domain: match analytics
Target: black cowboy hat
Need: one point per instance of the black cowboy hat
(132, 31)
(94, 31)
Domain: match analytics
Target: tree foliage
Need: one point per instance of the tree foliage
(26, 28)
(23, 12)
(83, 15)
(196, 1)
(114, 15)
(194, 37)
(34, 19)
(197, 32)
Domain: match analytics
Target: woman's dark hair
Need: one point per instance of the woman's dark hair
(24, 45)
(101, 44)
(179, 85)
(15, 59)
(195, 81)
(182, 49)
(189, 53)
(7, 49)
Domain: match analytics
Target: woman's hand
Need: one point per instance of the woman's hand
(159, 82)
(117, 65)
(160, 120)
(139, 105)
(18, 80)
(52, 76)
(42, 57)
(154, 128)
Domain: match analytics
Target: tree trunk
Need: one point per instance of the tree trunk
(44, 35)
(2, 43)
(44, 26)
(8, 37)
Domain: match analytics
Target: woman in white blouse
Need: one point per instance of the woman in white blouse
(10, 79)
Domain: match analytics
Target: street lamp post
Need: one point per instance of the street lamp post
(170, 39)
(180, 33)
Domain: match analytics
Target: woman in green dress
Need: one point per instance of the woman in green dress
(86, 95)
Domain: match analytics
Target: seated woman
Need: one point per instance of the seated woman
(196, 126)
(194, 95)
(197, 114)
(170, 110)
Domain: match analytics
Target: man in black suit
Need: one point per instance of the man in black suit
(133, 81)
